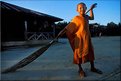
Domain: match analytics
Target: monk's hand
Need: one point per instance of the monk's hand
(93, 6)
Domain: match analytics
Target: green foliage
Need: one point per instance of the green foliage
(113, 29)
(60, 26)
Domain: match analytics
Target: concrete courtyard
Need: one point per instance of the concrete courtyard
(56, 63)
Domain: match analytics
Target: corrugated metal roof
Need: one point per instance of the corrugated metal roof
(9, 6)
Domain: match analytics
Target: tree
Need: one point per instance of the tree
(60, 26)
(113, 29)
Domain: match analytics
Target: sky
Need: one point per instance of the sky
(106, 11)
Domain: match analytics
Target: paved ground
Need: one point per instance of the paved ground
(57, 62)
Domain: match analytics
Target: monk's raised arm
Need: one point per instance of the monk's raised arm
(91, 17)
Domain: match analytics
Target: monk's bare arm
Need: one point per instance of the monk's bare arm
(91, 17)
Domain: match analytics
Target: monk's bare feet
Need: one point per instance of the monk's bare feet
(82, 73)
(96, 71)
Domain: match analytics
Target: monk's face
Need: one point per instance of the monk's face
(81, 8)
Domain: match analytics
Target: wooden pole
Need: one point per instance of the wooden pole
(25, 32)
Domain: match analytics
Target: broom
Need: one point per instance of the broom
(94, 5)
(33, 56)
(28, 59)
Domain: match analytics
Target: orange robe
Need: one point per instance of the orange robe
(80, 39)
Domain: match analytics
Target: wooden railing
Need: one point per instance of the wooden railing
(39, 35)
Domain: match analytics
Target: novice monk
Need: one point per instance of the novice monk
(79, 37)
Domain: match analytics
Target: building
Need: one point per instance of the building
(21, 24)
